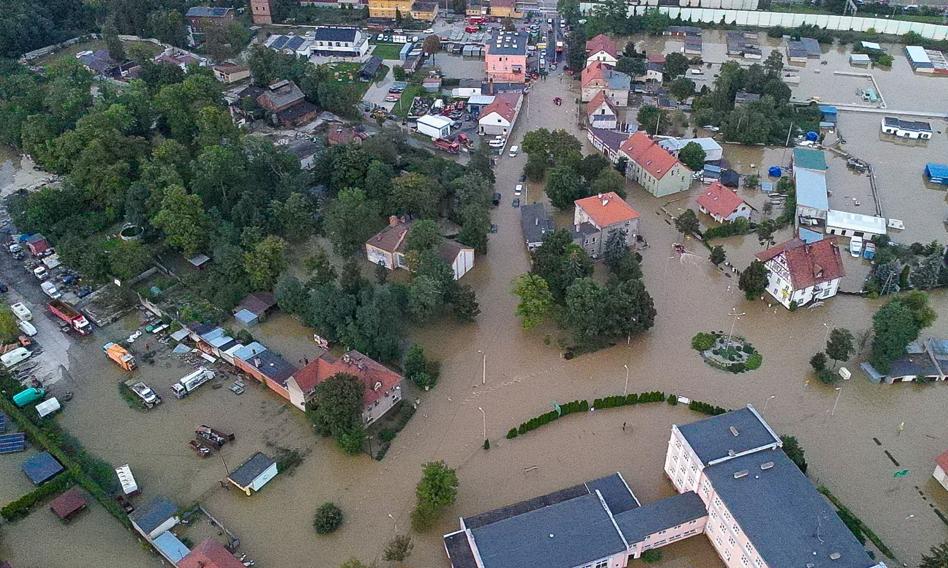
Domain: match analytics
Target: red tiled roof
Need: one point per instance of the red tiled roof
(369, 370)
(942, 461)
(505, 104)
(607, 209)
(602, 42)
(656, 58)
(809, 264)
(719, 200)
(391, 238)
(210, 554)
(593, 105)
(594, 71)
(648, 154)
(70, 502)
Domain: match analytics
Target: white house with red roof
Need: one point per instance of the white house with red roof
(598, 216)
(801, 273)
(599, 76)
(498, 118)
(382, 385)
(652, 167)
(941, 470)
(723, 204)
(601, 113)
(602, 48)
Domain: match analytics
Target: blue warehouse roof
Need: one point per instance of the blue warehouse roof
(811, 189)
(41, 468)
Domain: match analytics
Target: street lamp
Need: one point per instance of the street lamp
(771, 397)
(484, 415)
(736, 317)
(625, 391)
(827, 334)
(483, 367)
(839, 391)
(394, 521)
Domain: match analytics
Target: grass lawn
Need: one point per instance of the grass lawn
(408, 95)
(93, 45)
(387, 50)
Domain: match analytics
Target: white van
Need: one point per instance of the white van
(514, 150)
(26, 327)
(855, 246)
(21, 312)
(519, 189)
(50, 289)
(40, 272)
(15, 357)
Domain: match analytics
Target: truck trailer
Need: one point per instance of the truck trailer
(120, 356)
(189, 383)
(71, 316)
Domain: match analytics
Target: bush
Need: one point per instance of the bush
(22, 506)
(754, 361)
(747, 348)
(827, 377)
(328, 517)
(702, 341)
(705, 408)
(512, 433)
(673, 400)
(386, 435)
(651, 556)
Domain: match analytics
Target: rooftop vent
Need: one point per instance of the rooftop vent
(731, 453)
(740, 474)
(835, 556)
(734, 431)
(766, 465)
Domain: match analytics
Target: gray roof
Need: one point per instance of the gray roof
(786, 519)
(251, 469)
(563, 535)
(294, 43)
(279, 42)
(667, 513)
(713, 438)
(41, 468)
(459, 550)
(283, 93)
(615, 492)
(208, 12)
(152, 515)
(618, 80)
(336, 34)
(303, 148)
(745, 97)
(612, 139)
(274, 366)
(916, 125)
(811, 189)
(535, 222)
(508, 43)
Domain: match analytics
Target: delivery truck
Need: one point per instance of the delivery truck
(71, 316)
(120, 356)
(189, 383)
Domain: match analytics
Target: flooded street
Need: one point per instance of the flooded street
(525, 375)
(17, 172)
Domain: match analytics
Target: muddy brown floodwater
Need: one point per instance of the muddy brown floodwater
(525, 375)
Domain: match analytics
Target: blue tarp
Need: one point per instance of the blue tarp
(812, 136)
(41, 468)
(810, 236)
(774, 171)
(936, 173)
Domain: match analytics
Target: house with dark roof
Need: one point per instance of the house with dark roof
(800, 273)
(536, 224)
(254, 473)
(41, 468)
(608, 142)
(342, 42)
(505, 57)
(382, 392)
(653, 167)
(597, 217)
(723, 204)
(743, 44)
(201, 18)
(155, 517)
(269, 368)
(255, 307)
(601, 112)
(286, 104)
(602, 48)
(68, 504)
(210, 554)
(599, 76)
(923, 361)
(370, 68)
(911, 129)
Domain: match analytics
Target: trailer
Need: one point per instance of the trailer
(120, 356)
(21, 312)
(199, 448)
(48, 407)
(144, 392)
(188, 384)
(213, 437)
(28, 396)
(127, 480)
(70, 316)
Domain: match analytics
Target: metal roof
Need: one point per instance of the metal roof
(636, 524)
(169, 545)
(207, 12)
(615, 492)
(41, 468)
(917, 55)
(508, 43)
(251, 469)
(809, 158)
(154, 514)
(782, 514)
(336, 34)
(811, 189)
(713, 438)
(856, 222)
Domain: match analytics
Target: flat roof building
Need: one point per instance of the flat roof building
(846, 224)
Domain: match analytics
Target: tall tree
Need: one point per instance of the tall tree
(692, 155)
(536, 301)
(687, 223)
(337, 405)
(794, 451)
(265, 262)
(894, 326)
(560, 261)
(563, 187)
(717, 255)
(416, 194)
(183, 220)
(840, 345)
(754, 280)
(350, 220)
(437, 490)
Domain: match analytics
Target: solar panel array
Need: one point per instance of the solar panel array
(10, 443)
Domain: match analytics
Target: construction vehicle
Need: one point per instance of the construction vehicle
(144, 392)
(71, 316)
(120, 355)
(189, 383)
(21, 312)
(447, 145)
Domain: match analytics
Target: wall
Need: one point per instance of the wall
(264, 477)
(771, 19)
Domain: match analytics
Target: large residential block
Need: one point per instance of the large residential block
(505, 59)
(652, 167)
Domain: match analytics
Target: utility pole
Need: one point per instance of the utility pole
(736, 317)
(483, 367)
(625, 391)
(839, 391)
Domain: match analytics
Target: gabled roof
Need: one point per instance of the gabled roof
(535, 222)
(942, 461)
(449, 250)
(210, 554)
(273, 366)
(599, 71)
(257, 302)
(372, 373)
(809, 264)
(251, 469)
(505, 104)
(597, 101)
(606, 209)
(648, 154)
(638, 523)
(152, 515)
(333, 33)
(391, 238)
(809, 158)
(602, 42)
(610, 138)
(208, 12)
(719, 200)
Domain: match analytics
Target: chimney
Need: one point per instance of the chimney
(393, 220)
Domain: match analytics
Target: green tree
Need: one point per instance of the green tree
(894, 326)
(840, 346)
(559, 261)
(608, 180)
(676, 65)
(937, 557)
(632, 66)
(818, 362)
(717, 255)
(129, 259)
(327, 519)
(651, 118)
(337, 405)
(692, 155)
(431, 45)
(350, 220)
(754, 280)
(437, 490)
(463, 302)
(563, 187)
(425, 297)
(399, 548)
(419, 369)
(536, 301)
(183, 220)
(8, 326)
(423, 235)
(475, 226)
(774, 64)
(113, 43)
(265, 262)
(687, 223)
(293, 217)
(416, 194)
(378, 180)
(585, 310)
(681, 88)
(792, 448)
(655, 22)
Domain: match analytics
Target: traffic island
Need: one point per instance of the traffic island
(730, 353)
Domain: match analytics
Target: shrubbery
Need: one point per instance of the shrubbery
(702, 341)
(327, 519)
(22, 506)
(705, 408)
(584, 406)
(739, 226)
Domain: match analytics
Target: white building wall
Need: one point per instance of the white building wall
(263, 478)
(378, 408)
(602, 56)
(941, 477)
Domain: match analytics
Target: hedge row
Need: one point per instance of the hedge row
(22, 506)
(705, 408)
(584, 406)
(626, 400)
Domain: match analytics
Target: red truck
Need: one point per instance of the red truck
(447, 145)
(71, 316)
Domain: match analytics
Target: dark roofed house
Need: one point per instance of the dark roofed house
(254, 308)
(536, 224)
(68, 504)
(370, 68)
(254, 473)
(286, 103)
(743, 97)
(200, 17)
(713, 439)
(156, 517)
(639, 523)
(41, 468)
(609, 141)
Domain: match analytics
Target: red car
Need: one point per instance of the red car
(472, 29)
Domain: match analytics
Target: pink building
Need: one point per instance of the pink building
(506, 57)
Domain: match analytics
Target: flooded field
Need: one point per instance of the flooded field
(525, 375)
(17, 172)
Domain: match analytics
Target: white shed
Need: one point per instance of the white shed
(435, 126)
(846, 224)
(254, 473)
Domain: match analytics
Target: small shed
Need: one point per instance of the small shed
(41, 468)
(127, 480)
(254, 473)
(936, 173)
(37, 244)
(254, 308)
(68, 504)
(859, 60)
(710, 173)
(199, 261)
(435, 126)
(730, 178)
(157, 516)
(829, 113)
(370, 68)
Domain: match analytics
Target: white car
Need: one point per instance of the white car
(519, 189)
(855, 246)
(498, 142)
(26, 327)
(514, 150)
(429, 31)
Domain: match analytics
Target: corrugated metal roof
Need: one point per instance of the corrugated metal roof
(811, 190)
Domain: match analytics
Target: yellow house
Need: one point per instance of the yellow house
(504, 9)
(387, 9)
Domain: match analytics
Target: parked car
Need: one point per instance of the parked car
(496, 200)
(855, 246)
(3, 288)
(518, 190)
(523, 178)
(516, 202)
(514, 150)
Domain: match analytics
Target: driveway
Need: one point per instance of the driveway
(378, 91)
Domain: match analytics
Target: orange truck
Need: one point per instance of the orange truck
(120, 355)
